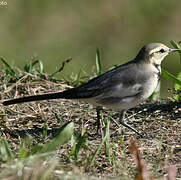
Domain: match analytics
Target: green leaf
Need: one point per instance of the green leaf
(64, 136)
(170, 77)
(177, 46)
(177, 97)
(177, 86)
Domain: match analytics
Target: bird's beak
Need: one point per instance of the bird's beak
(172, 50)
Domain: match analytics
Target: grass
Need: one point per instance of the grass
(49, 139)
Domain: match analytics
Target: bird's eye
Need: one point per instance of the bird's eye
(162, 50)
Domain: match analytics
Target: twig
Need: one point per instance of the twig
(62, 66)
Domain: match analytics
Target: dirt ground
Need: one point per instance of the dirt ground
(160, 120)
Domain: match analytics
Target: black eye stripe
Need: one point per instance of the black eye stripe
(162, 50)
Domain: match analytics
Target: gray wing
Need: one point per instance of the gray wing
(123, 81)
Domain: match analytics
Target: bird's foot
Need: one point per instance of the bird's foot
(145, 136)
(97, 134)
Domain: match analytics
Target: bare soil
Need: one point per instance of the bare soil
(161, 120)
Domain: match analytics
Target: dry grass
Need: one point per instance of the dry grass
(158, 119)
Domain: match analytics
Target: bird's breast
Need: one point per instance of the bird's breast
(150, 85)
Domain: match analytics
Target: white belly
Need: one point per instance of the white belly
(150, 87)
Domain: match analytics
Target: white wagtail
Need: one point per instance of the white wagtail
(120, 88)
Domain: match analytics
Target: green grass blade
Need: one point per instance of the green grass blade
(10, 69)
(98, 150)
(177, 86)
(122, 142)
(177, 46)
(105, 142)
(27, 67)
(78, 77)
(5, 151)
(177, 93)
(107, 133)
(40, 64)
(64, 136)
(170, 77)
(44, 133)
(30, 67)
(80, 145)
(59, 119)
(98, 62)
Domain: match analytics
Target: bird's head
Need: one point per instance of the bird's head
(154, 53)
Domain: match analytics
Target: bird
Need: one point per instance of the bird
(120, 88)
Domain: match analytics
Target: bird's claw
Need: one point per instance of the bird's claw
(145, 136)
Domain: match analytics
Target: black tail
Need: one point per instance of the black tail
(68, 94)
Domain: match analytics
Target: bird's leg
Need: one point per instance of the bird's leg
(98, 123)
(122, 122)
(98, 110)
